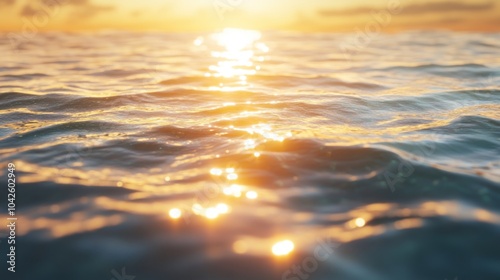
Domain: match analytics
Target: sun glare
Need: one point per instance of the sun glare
(252, 195)
(175, 213)
(237, 52)
(283, 248)
(235, 40)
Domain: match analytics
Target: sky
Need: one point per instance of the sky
(209, 15)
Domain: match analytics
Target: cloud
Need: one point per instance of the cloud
(416, 9)
(7, 2)
(91, 10)
(81, 8)
(77, 2)
(28, 11)
(84, 8)
(345, 12)
(447, 7)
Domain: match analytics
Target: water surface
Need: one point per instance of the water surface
(190, 156)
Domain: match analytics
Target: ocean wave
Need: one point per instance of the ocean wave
(394, 150)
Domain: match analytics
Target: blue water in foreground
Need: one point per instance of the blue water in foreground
(387, 152)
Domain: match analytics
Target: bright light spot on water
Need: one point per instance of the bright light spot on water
(252, 195)
(216, 171)
(222, 208)
(360, 222)
(211, 213)
(256, 154)
(240, 247)
(250, 144)
(262, 47)
(232, 176)
(230, 170)
(234, 190)
(198, 41)
(283, 248)
(197, 209)
(266, 131)
(175, 213)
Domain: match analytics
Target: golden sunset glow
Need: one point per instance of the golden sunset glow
(201, 15)
(249, 139)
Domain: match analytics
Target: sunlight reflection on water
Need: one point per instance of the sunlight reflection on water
(254, 147)
(238, 57)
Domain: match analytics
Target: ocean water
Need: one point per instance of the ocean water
(253, 155)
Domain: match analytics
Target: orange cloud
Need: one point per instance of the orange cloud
(416, 9)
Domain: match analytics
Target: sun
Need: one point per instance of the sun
(235, 40)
